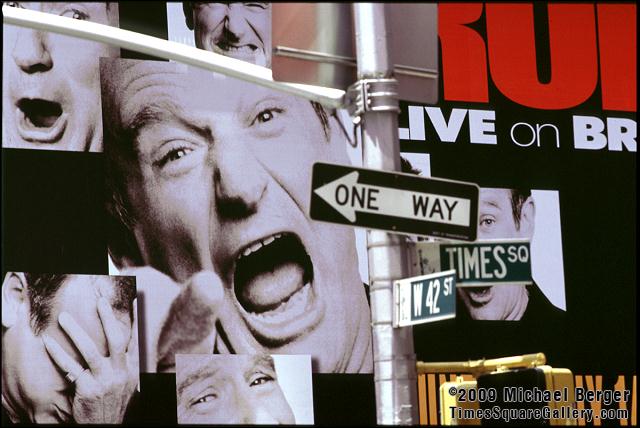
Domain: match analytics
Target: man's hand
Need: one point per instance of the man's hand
(104, 388)
(176, 318)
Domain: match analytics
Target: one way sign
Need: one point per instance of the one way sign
(394, 202)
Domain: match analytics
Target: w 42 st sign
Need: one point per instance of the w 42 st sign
(394, 202)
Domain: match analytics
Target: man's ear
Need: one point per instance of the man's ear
(14, 293)
(528, 218)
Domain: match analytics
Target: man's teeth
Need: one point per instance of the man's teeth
(296, 305)
(261, 243)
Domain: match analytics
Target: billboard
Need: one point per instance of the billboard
(201, 186)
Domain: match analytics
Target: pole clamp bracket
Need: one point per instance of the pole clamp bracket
(371, 95)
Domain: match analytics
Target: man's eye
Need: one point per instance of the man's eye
(261, 380)
(487, 222)
(205, 399)
(266, 115)
(178, 156)
(75, 14)
(173, 156)
(11, 4)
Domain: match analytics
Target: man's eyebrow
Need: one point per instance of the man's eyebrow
(157, 113)
(260, 361)
(250, 106)
(201, 373)
(492, 204)
(147, 115)
(63, 4)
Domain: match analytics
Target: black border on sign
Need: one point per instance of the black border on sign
(320, 210)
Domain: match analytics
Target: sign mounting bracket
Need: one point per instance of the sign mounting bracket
(377, 95)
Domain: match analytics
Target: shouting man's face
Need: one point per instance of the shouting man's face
(51, 82)
(218, 178)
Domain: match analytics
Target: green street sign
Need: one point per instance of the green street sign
(481, 263)
(425, 298)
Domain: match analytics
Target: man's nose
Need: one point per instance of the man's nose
(240, 182)
(236, 21)
(31, 51)
(251, 408)
(260, 415)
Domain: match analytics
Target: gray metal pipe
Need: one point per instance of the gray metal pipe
(393, 352)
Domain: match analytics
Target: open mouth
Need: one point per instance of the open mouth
(40, 120)
(479, 296)
(273, 283)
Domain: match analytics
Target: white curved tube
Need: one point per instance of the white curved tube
(329, 97)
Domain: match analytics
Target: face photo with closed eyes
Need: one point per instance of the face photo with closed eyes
(51, 82)
(54, 350)
(217, 177)
(230, 389)
(240, 30)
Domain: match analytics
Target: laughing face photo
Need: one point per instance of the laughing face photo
(236, 29)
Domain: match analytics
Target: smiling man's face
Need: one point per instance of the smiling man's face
(236, 29)
(51, 85)
(219, 179)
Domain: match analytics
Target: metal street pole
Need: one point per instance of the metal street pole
(393, 353)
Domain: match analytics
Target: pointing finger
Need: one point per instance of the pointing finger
(155, 293)
(190, 324)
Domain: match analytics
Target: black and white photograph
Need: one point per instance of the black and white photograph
(243, 389)
(51, 82)
(69, 348)
(506, 214)
(210, 182)
(240, 30)
(521, 214)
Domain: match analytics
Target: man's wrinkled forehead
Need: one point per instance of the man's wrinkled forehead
(128, 83)
(195, 368)
(494, 196)
(144, 81)
(133, 84)
(48, 6)
(192, 368)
